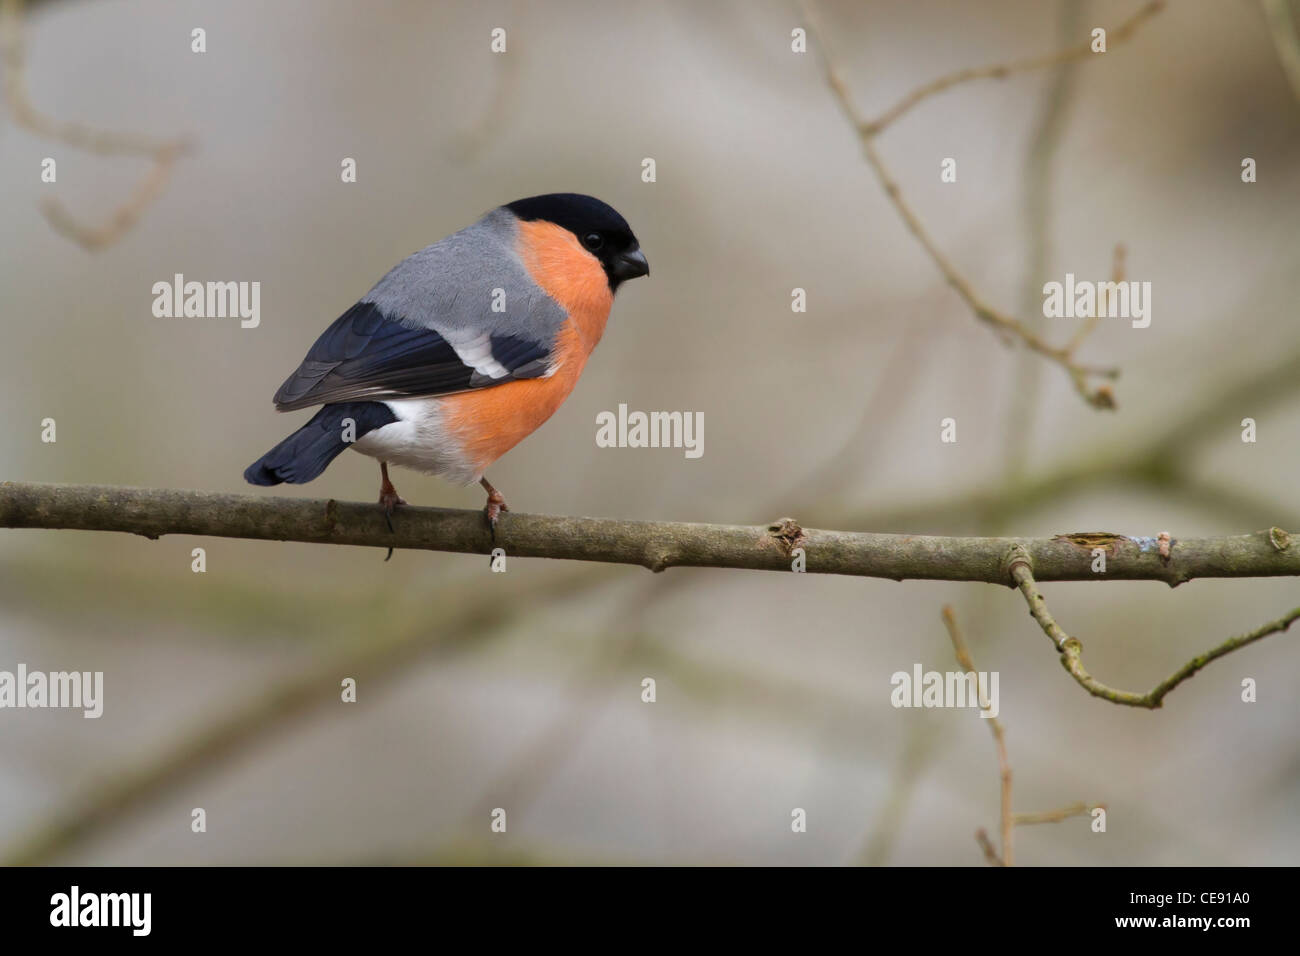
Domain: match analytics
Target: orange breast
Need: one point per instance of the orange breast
(490, 421)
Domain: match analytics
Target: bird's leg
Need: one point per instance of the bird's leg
(496, 504)
(388, 496)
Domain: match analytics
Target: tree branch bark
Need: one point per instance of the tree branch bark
(656, 545)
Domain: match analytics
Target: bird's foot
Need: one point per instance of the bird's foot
(390, 501)
(496, 503)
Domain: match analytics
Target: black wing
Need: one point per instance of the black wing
(366, 355)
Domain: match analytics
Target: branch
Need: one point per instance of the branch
(1007, 857)
(383, 654)
(1009, 819)
(1006, 325)
(656, 545)
(164, 154)
(1283, 28)
(1071, 649)
(998, 71)
(990, 851)
(1056, 816)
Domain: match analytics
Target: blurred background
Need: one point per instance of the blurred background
(523, 690)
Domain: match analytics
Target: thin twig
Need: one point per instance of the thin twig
(1020, 567)
(1282, 26)
(1079, 809)
(124, 216)
(527, 775)
(990, 851)
(921, 745)
(1158, 463)
(1117, 273)
(164, 154)
(998, 71)
(1007, 856)
(492, 120)
(378, 657)
(1053, 119)
(1007, 326)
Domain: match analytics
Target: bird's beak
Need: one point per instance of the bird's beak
(629, 265)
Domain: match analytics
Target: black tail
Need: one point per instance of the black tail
(304, 454)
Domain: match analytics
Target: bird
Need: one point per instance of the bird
(462, 350)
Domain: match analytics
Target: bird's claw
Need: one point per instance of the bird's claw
(496, 504)
(390, 501)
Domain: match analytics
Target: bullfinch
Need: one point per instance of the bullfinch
(463, 349)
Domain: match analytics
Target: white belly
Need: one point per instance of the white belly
(418, 440)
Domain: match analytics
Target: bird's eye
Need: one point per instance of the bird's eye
(593, 241)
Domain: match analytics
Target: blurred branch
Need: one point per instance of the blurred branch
(1117, 276)
(1080, 809)
(1007, 326)
(468, 145)
(1055, 109)
(1000, 71)
(382, 653)
(1160, 462)
(124, 216)
(920, 748)
(990, 851)
(102, 142)
(1006, 858)
(1009, 820)
(1281, 23)
(519, 784)
(1071, 649)
(656, 545)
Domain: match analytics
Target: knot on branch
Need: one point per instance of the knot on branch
(1016, 556)
(1279, 539)
(659, 559)
(787, 534)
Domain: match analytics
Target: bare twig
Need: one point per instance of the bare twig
(1117, 273)
(1007, 857)
(529, 772)
(164, 154)
(921, 746)
(1007, 326)
(990, 851)
(1079, 809)
(1282, 26)
(1054, 111)
(998, 71)
(124, 216)
(491, 119)
(1020, 567)
(379, 656)
(1009, 820)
